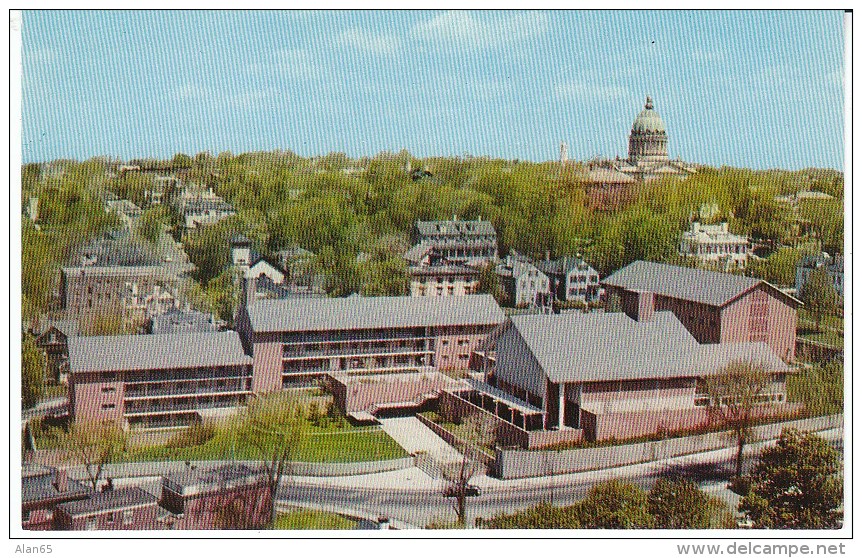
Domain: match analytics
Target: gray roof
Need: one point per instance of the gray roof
(417, 252)
(37, 485)
(102, 271)
(196, 481)
(111, 500)
(611, 346)
(460, 228)
(182, 321)
(698, 285)
(155, 352)
(324, 314)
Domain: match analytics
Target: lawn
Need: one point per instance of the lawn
(313, 519)
(807, 321)
(319, 445)
(826, 337)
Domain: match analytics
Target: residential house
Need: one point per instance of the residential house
(112, 510)
(203, 207)
(714, 246)
(231, 496)
(524, 283)
(572, 279)
(182, 321)
(457, 241)
(834, 268)
(443, 280)
(715, 307)
(42, 489)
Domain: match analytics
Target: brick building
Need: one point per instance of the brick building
(228, 497)
(42, 489)
(157, 380)
(126, 509)
(715, 307)
(569, 377)
(298, 340)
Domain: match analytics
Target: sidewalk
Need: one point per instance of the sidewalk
(414, 436)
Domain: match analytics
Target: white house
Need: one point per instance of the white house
(715, 246)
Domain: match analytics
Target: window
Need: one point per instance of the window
(108, 406)
(128, 517)
(109, 389)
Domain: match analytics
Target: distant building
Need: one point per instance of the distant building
(715, 307)
(127, 211)
(134, 292)
(42, 489)
(611, 184)
(834, 268)
(443, 280)
(572, 279)
(457, 241)
(715, 246)
(182, 321)
(565, 378)
(227, 497)
(524, 283)
(111, 510)
(157, 380)
(54, 343)
(203, 208)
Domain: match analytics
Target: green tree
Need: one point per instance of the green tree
(387, 277)
(796, 485)
(92, 444)
(542, 516)
(779, 268)
(615, 505)
(152, 222)
(489, 283)
(680, 504)
(32, 372)
(820, 387)
(733, 396)
(819, 296)
(274, 425)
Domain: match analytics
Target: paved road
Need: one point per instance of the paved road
(423, 501)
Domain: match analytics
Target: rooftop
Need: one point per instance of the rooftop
(155, 352)
(37, 485)
(698, 285)
(111, 500)
(325, 314)
(611, 346)
(197, 481)
(455, 227)
(115, 270)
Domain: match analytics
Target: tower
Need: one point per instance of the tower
(648, 139)
(564, 153)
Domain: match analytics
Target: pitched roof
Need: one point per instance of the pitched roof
(38, 486)
(602, 346)
(110, 500)
(466, 228)
(698, 285)
(155, 352)
(323, 314)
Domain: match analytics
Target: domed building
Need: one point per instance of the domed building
(648, 140)
(612, 183)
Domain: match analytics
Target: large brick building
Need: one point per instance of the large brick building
(570, 377)
(157, 380)
(715, 307)
(298, 340)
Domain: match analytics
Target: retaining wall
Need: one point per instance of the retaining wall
(516, 463)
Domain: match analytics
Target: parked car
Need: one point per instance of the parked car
(470, 490)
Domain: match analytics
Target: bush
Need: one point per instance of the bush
(195, 435)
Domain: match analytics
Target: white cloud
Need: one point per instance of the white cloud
(583, 91)
(370, 42)
(463, 29)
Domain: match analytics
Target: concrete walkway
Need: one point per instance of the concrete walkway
(414, 436)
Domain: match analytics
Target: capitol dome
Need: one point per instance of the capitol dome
(648, 140)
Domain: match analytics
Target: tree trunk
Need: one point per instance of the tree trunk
(462, 506)
(740, 445)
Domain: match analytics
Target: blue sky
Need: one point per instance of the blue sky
(754, 89)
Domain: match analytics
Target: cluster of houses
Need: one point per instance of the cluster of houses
(231, 496)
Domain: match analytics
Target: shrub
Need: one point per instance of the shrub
(195, 435)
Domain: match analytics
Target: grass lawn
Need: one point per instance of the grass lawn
(313, 519)
(319, 445)
(825, 337)
(807, 321)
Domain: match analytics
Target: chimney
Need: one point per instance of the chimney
(646, 306)
(61, 481)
